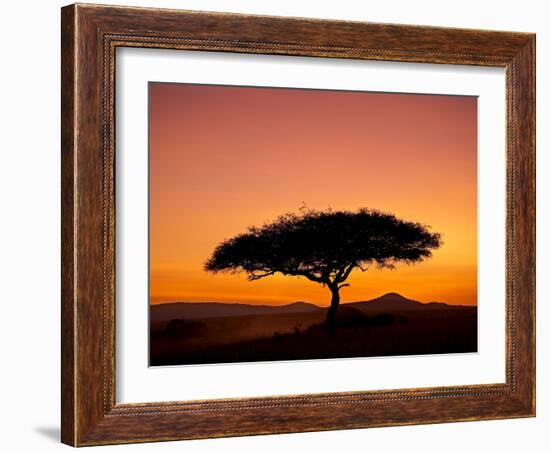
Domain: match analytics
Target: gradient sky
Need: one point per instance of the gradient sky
(225, 158)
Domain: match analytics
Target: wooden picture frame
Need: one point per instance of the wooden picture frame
(90, 36)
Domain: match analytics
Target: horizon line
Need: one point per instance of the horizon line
(235, 302)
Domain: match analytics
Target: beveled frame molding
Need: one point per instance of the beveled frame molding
(90, 36)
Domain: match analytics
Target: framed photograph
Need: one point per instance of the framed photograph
(278, 225)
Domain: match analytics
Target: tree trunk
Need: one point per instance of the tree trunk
(331, 312)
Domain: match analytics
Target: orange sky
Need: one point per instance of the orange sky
(225, 158)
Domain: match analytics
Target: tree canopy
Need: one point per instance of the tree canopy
(324, 246)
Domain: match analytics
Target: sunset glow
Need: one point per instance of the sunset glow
(223, 159)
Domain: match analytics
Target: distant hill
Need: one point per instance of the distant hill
(391, 302)
(198, 310)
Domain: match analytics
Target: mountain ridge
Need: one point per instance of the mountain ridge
(388, 302)
(199, 310)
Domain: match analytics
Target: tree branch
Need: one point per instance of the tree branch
(311, 277)
(344, 274)
(305, 274)
(253, 276)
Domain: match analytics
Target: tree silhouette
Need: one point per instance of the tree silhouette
(325, 247)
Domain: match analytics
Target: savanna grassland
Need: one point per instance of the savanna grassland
(201, 333)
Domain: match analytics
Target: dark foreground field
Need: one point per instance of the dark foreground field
(387, 326)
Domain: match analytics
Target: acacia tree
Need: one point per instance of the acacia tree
(325, 247)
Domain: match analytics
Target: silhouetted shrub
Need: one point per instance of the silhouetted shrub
(176, 325)
(383, 319)
(350, 317)
(179, 327)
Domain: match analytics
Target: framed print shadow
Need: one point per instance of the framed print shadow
(278, 225)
